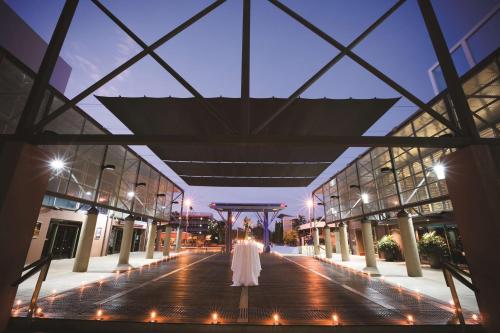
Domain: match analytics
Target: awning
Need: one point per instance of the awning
(272, 165)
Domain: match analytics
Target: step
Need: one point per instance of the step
(25, 325)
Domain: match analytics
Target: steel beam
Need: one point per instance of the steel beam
(390, 82)
(41, 82)
(454, 87)
(236, 140)
(167, 67)
(245, 70)
(327, 67)
(111, 75)
(392, 209)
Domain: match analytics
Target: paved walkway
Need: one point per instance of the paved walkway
(61, 278)
(432, 284)
(189, 289)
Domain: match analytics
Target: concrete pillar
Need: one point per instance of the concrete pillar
(178, 239)
(24, 175)
(128, 231)
(316, 242)
(473, 178)
(150, 245)
(84, 248)
(328, 241)
(337, 239)
(166, 243)
(371, 261)
(409, 242)
(344, 246)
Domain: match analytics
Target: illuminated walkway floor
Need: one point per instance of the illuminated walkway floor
(189, 289)
(61, 278)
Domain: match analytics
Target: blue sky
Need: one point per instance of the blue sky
(283, 56)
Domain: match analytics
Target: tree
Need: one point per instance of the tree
(216, 230)
(291, 237)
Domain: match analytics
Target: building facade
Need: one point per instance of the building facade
(383, 181)
(112, 178)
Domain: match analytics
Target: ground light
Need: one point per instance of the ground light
(39, 312)
(276, 319)
(410, 319)
(215, 318)
(475, 317)
(99, 314)
(335, 319)
(152, 316)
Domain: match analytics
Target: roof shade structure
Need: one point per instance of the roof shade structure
(247, 207)
(250, 164)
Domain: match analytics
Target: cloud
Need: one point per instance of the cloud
(93, 71)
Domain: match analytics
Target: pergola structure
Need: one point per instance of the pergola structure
(258, 208)
(241, 130)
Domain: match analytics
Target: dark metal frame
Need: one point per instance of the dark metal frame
(246, 134)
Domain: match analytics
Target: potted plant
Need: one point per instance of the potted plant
(388, 246)
(434, 247)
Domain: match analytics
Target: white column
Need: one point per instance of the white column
(316, 241)
(344, 246)
(84, 248)
(128, 231)
(410, 249)
(337, 239)
(371, 261)
(166, 243)
(178, 239)
(328, 241)
(150, 245)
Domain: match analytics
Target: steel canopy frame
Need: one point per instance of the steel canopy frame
(230, 208)
(246, 135)
(237, 140)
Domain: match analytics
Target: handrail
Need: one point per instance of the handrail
(451, 271)
(35, 267)
(41, 265)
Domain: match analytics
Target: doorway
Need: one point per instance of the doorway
(62, 239)
(115, 240)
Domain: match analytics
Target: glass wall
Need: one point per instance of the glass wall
(109, 176)
(415, 172)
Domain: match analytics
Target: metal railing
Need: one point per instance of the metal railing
(451, 271)
(42, 265)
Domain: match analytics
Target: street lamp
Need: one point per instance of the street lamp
(187, 203)
(309, 204)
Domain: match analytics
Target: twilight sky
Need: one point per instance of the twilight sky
(283, 56)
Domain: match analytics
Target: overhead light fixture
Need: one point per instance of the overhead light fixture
(364, 197)
(386, 170)
(57, 164)
(130, 194)
(108, 167)
(440, 171)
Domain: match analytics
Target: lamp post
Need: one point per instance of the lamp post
(187, 203)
